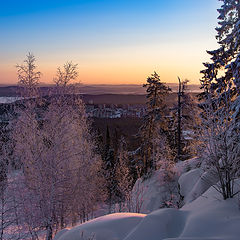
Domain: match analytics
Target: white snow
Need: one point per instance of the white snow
(204, 216)
(205, 181)
(109, 227)
(9, 99)
(188, 180)
(152, 192)
(159, 224)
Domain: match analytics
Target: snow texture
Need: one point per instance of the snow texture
(205, 216)
(208, 217)
(154, 191)
(109, 227)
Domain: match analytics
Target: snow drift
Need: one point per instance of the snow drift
(204, 216)
(109, 227)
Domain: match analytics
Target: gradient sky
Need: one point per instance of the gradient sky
(113, 42)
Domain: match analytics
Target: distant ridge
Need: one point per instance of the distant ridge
(97, 89)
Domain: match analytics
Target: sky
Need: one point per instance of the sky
(113, 42)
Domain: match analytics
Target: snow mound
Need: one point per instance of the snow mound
(207, 217)
(150, 193)
(188, 180)
(109, 227)
(212, 218)
(159, 225)
(153, 192)
(194, 183)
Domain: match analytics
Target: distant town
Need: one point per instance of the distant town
(115, 111)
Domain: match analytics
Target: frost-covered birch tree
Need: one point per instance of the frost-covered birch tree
(123, 176)
(28, 76)
(57, 153)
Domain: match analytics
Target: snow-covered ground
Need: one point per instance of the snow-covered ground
(204, 216)
(112, 226)
(9, 99)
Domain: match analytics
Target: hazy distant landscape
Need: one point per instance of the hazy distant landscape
(120, 120)
(131, 89)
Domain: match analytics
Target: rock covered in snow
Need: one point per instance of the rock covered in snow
(188, 180)
(153, 191)
(195, 182)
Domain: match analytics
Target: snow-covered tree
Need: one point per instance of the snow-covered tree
(66, 74)
(220, 144)
(222, 73)
(28, 76)
(155, 119)
(220, 99)
(9, 218)
(65, 79)
(123, 175)
(60, 166)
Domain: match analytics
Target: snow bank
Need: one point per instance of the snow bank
(159, 225)
(109, 227)
(207, 217)
(188, 180)
(195, 182)
(153, 192)
(212, 217)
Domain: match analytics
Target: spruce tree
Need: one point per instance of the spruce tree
(109, 168)
(220, 99)
(222, 73)
(155, 119)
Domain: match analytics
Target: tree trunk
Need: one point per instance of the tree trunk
(179, 122)
(49, 229)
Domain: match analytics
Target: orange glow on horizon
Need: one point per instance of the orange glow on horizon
(129, 65)
(107, 76)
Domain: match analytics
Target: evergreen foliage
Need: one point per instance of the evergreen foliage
(155, 121)
(220, 99)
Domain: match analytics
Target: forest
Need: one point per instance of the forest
(60, 167)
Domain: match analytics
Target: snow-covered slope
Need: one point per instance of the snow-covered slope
(208, 217)
(109, 227)
(204, 216)
(153, 192)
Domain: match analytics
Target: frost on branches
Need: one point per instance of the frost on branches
(28, 76)
(60, 169)
(220, 101)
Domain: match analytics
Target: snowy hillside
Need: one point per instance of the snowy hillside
(204, 216)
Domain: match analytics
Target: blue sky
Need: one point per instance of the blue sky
(112, 41)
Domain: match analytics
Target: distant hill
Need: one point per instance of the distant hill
(129, 89)
(8, 91)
